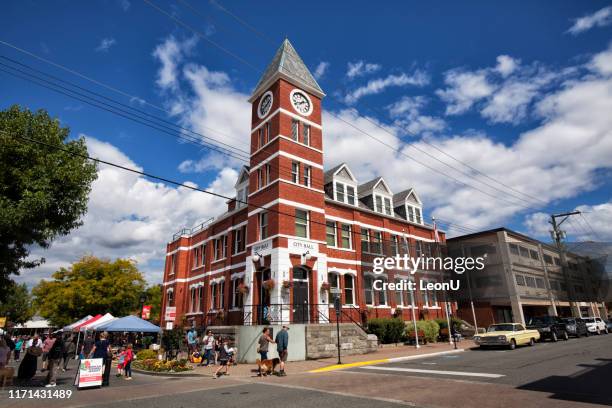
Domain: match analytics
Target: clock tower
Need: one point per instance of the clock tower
(286, 260)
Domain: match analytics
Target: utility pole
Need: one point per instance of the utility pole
(558, 235)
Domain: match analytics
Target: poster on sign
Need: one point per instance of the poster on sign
(146, 312)
(170, 313)
(90, 373)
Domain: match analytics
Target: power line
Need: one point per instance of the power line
(176, 183)
(398, 150)
(241, 21)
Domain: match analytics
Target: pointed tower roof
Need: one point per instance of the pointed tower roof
(288, 65)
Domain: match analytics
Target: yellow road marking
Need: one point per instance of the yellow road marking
(348, 365)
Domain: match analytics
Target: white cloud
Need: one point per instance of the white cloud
(602, 62)
(105, 44)
(464, 89)
(130, 216)
(360, 68)
(600, 18)
(406, 113)
(321, 69)
(506, 65)
(375, 86)
(170, 54)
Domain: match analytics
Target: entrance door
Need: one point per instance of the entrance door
(300, 302)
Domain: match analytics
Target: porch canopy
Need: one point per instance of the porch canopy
(71, 326)
(132, 324)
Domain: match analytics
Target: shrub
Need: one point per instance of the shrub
(430, 329)
(455, 322)
(386, 329)
(164, 366)
(146, 355)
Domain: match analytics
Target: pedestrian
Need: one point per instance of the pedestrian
(192, 340)
(54, 356)
(218, 343)
(5, 352)
(19, 344)
(127, 364)
(262, 345)
(101, 349)
(120, 361)
(224, 358)
(27, 368)
(69, 350)
(47, 344)
(208, 346)
(87, 346)
(282, 343)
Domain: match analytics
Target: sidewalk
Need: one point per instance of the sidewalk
(382, 355)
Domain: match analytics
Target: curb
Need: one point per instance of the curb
(167, 374)
(383, 361)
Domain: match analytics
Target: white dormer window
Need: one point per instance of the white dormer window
(382, 204)
(414, 214)
(242, 188)
(344, 193)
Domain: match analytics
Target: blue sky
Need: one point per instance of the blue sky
(505, 87)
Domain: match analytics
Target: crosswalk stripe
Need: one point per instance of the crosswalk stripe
(439, 372)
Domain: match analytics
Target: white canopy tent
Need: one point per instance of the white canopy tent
(73, 325)
(103, 320)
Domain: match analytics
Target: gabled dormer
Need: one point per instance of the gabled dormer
(341, 184)
(242, 187)
(409, 206)
(377, 195)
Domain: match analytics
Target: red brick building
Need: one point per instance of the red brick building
(295, 233)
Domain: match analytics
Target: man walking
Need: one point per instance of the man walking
(192, 339)
(54, 356)
(208, 347)
(282, 342)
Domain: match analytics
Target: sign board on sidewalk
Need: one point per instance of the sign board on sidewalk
(170, 313)
(90, 373)
(146, 312)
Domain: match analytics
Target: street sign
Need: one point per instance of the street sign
(170, 313)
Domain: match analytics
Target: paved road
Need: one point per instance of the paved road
(574, 370)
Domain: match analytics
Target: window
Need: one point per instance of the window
(306, 135)
(405, 248)
(399, 294)
(548, 259)
(376, 244)
(387, 208)
(330, 233)
(417, 213)
(524, 252)
(345, 238)
(340, 192)
(418, 248)
(540, 283)
(214, 298)
(534, 254)
(378, 204)
(382, 294)
(295, 129)
(333, 285)
(410, 213)
(350, 195)
(260, 180)
(530, 281)
(192, 300)
(263, 225)
(239, 236)
(307, 175)
(196, 256)
(394, 245)
(237, 297)
(301, 223)
(170, 296)
(513, 249)
(365, 240)
(241, 197)
(200, 297)
(520, 280)
(268, 171)
(557, 262)
(268, 138)
(349, 293)
(220, 247)
(173, 263)
(221, 287)
(262, 137)
(369, 290)
(295, 172)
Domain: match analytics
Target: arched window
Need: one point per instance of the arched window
(332, 279)
(170, 297)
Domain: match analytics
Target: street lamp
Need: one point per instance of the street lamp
(143, 299)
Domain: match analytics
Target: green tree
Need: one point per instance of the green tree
(90, 286)
(154, 299)
(17, 304)
(43, 190)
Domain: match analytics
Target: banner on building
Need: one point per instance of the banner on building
(90, 373)
(170, 313)
(146, 312)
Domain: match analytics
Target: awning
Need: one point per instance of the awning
(129, 324)
(90, 321)
(107, 318)
(71, 326)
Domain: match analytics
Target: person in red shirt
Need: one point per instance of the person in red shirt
(127, 362)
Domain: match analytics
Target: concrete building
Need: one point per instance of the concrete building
(296, 233)
(523, 278)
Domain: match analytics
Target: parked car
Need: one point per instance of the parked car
(550, 327)
(576, 327)
(595, 325)
(609, 324)
(508, 335)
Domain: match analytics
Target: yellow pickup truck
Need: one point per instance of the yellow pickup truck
(508, 335)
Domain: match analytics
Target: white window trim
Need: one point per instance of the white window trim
(307, 223)
(345, 189)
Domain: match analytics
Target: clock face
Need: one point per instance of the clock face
(301, 102)
(265, 103)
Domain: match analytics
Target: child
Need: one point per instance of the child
(127, 365)
(224, 357)
(120, 362)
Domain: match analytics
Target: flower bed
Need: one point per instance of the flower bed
(158, 366)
